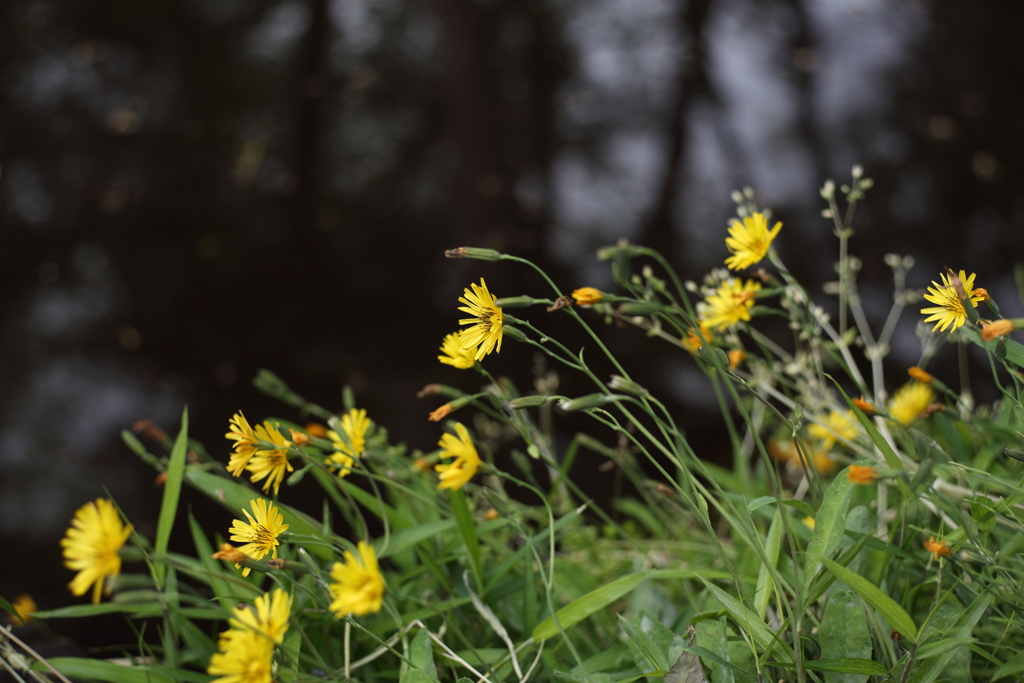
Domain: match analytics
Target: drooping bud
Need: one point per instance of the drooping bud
(474, 253)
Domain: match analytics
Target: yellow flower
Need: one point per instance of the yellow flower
(455, 354)
(936, 548)
(910, 401)
(730, 304)
(350, 444)
(244, 657)
(861, 475)
(485, 334)
(245, 443)
(748, 241)
(91, 547)
(260, 533)
(693, 339)
(838, 427)
(585, 296)
(24, 605)
(358, 586)
(456, 474)
(808, 522)
(271, 465)
(268, 616)
(950, 311)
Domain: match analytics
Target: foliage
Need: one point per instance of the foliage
(854, 536)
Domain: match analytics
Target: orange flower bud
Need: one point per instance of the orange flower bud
(919, 374)
(229, 553)
(995, 329)
(735, 358)
(861, 475)
(441, 413)
(586, 296)
(298, 438)
(317, 430)
(864, 406)
(491, 515)
(936, 548)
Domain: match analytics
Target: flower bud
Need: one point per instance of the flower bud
(639, 308)
(516, 302)
(474, 253)
(513, 332)
(997, 328)
(627, 386)
(529, 402)
(585, 296)
(586, 402)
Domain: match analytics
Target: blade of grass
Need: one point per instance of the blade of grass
(873, 595)
(172, 492)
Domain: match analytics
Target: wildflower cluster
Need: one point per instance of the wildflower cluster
(858, 524)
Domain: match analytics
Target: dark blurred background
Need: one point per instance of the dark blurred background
(194, 189)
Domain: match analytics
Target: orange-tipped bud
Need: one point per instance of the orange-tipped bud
(735, 358)
(317, 430)
(491, 514)
(864, 406)
(997, 328)
(936, 548)
(919, 374)
(441, 413)
(983, 293)
(299, 438)
(861, 475)
(229, 553)
(160, 480)
(585, 296)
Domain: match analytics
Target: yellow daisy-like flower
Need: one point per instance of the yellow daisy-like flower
(910, 401)
(260, 533)
(838, 426)
(456, 474)
(861, 475)
(950, 311)
(268, 616)
(730, 304)
(245, 443)
(358, 586)
(455, 354)
(587, 296)
(749, 241)
(485, 334)
(270, 464)
(245, 657)
(91, 547)
(350, 444)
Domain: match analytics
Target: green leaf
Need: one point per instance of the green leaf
(642, 639)
(172, 492)
(765, 582)
(218, 579)
(582, 607)
(765, 637)
(849, 665)
(467, 527)
(415, 676)
(933, 648)
(829, 524)
(844, 635)
(871, 594)
(406, 538)
(8, 607)
(940, 664)
(421, 653)
(100, 670)
(760, 502)
(1015, 665)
